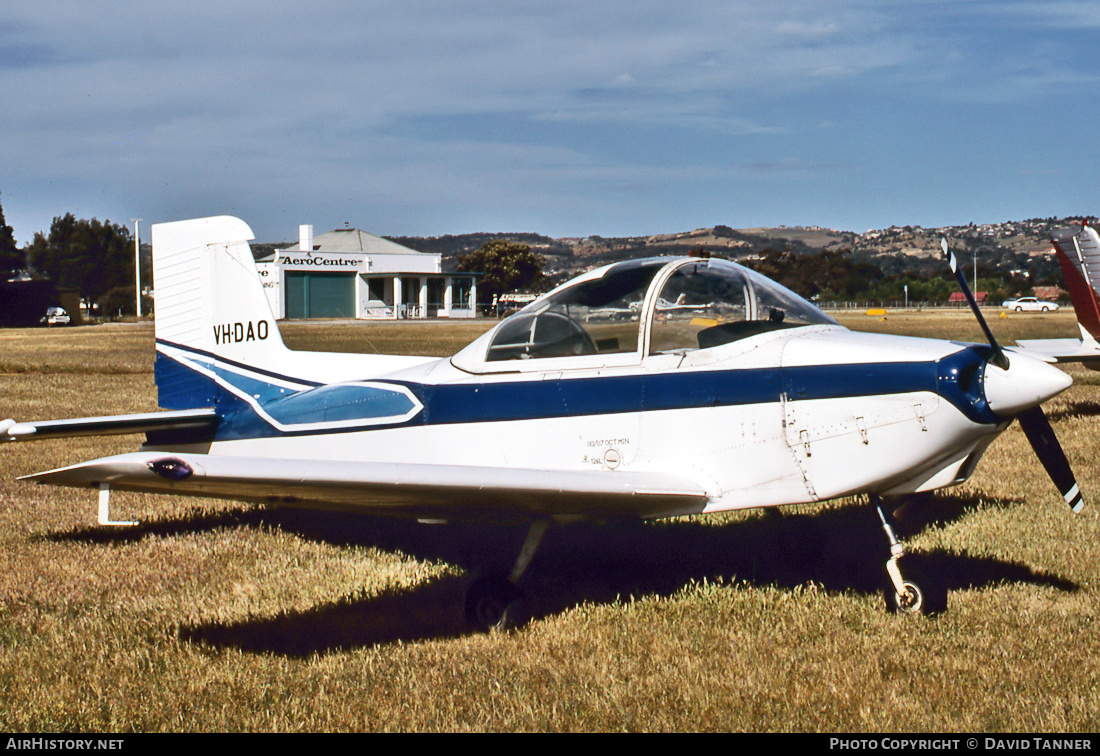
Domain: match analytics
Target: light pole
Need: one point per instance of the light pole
(137, 263)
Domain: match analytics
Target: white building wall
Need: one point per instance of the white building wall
(399, 271)
(422, 263)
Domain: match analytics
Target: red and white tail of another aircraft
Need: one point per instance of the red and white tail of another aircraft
(1078, 252)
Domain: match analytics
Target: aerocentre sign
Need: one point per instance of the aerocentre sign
(322, 261)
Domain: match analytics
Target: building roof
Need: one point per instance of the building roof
(350, 240)
(958, 296)
(354, 240)
(1050, 292)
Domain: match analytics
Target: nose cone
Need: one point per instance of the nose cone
(1027, 383)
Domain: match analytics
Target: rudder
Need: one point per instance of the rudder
(210, 308)
(1078, 254)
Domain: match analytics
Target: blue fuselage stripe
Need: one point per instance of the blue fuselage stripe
(956, 378)
(212, 357)
(538, 399)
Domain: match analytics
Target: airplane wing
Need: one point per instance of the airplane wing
(151, 422)
(1059, 350)
(411, 489)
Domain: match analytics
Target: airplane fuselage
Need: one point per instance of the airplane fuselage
(786, 417)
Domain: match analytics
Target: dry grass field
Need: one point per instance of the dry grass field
(214, 616)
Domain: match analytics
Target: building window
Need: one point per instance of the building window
(461, 287)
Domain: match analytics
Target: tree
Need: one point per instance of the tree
(11, 259)
(827, 274)
(89, 256)
(505, 266)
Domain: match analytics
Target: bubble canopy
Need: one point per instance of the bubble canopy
(638, 308)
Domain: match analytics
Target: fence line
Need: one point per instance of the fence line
(900, 305)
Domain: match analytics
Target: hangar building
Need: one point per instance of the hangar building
(348, 273)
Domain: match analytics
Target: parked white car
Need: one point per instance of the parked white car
(55, 316)
(1029, 304)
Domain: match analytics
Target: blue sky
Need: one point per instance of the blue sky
(564, 118)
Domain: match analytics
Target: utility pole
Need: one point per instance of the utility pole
(137, 264)
(975, 272)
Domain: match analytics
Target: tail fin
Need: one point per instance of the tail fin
(218, 344)
(209, 295)
(212, 316)
(1078, 253)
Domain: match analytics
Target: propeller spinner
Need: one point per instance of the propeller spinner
(1017, 388)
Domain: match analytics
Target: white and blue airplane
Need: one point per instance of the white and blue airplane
(760, 400)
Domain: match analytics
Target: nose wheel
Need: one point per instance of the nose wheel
(919, 594)
(916, 591)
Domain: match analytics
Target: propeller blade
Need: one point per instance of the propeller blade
(1043, 441)
(1034, 420)
(999, 357)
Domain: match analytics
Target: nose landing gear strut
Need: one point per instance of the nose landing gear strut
(915, 592)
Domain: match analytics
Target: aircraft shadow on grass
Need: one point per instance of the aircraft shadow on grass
(1073, 410)
(840, 549)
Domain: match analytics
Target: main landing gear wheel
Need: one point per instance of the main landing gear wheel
(494, 603)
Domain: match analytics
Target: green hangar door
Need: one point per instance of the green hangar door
(320, 295)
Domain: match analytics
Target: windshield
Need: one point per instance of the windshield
(702, 304)
(707, 303)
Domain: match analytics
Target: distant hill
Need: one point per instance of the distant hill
(1012, 256)
(1012, 247)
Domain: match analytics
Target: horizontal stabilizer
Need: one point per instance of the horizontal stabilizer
(113, 425)
(413, 489)
(1059, 350)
